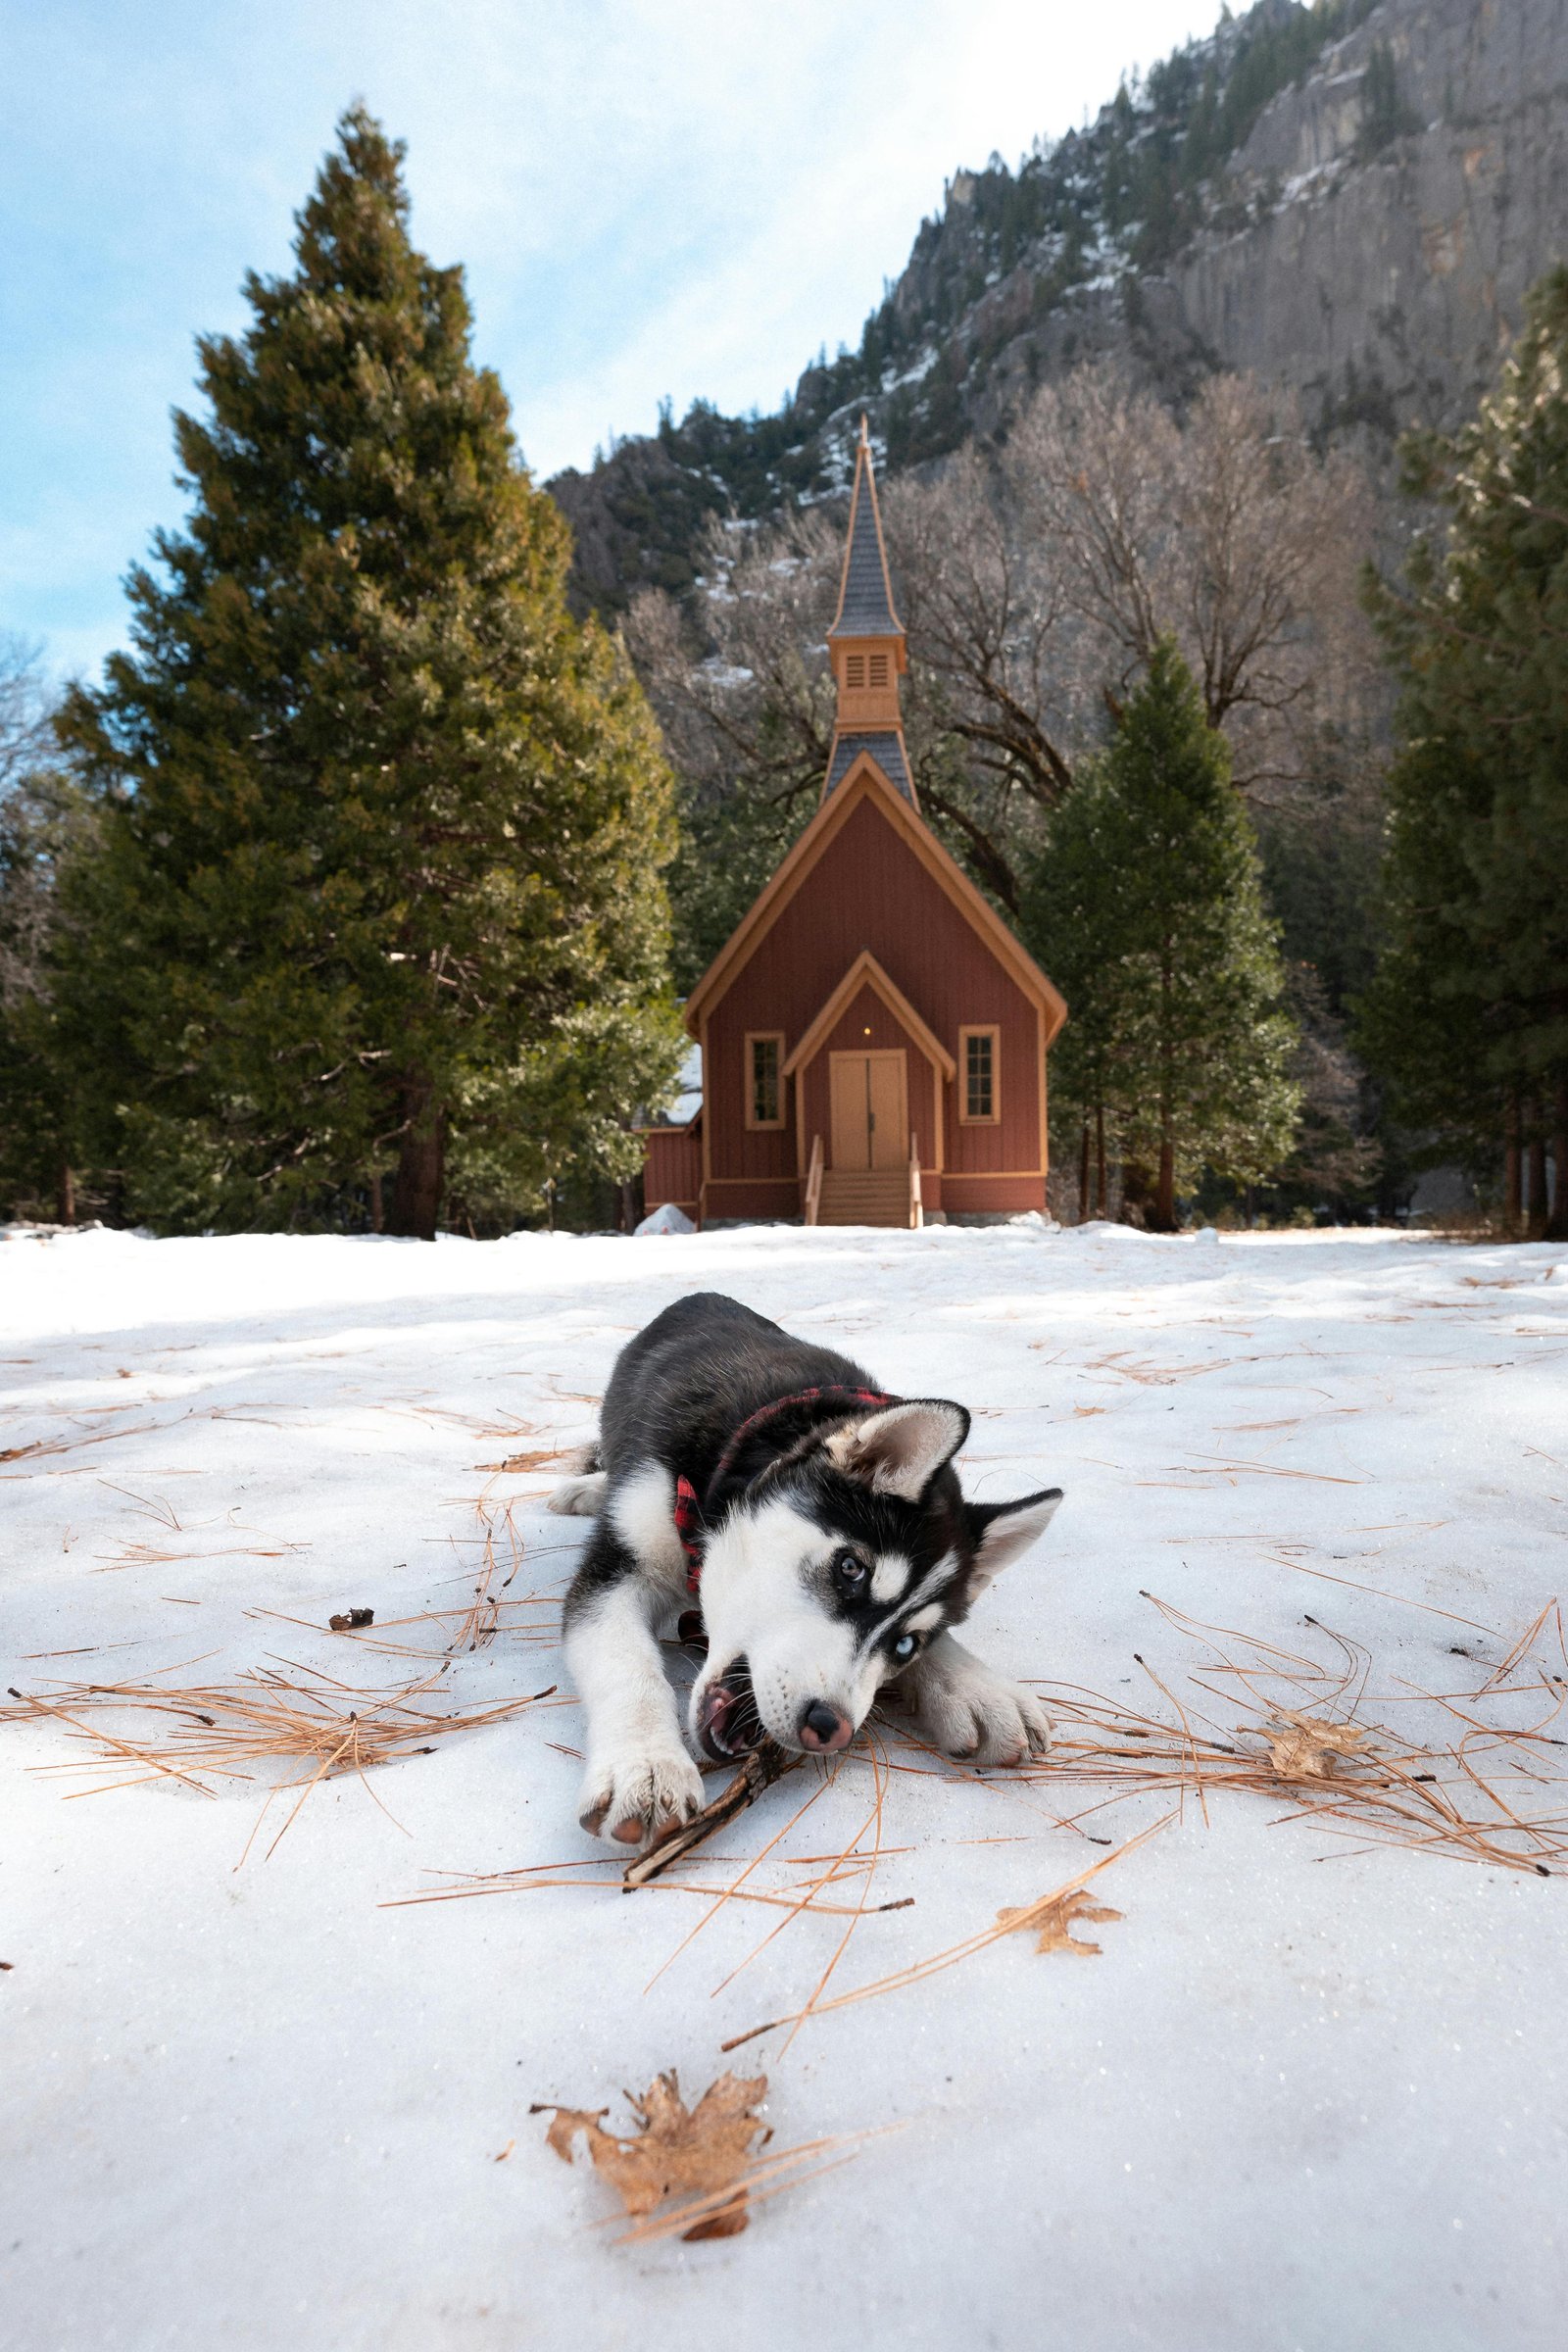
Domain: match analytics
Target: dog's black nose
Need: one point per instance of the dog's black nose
(823, 1728)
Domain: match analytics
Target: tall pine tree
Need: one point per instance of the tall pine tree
(1148, 911)
(1468, 1015)
(384, 826)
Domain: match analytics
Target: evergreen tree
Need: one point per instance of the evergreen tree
(384, 827)
(1468, 1014)
(1147, 908)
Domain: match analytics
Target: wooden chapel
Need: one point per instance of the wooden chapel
(874, 1037)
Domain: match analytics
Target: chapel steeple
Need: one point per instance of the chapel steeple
(866, 645)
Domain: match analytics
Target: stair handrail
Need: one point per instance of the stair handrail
(814, 1182)
(916, 1204)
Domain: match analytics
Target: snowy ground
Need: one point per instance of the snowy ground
(1309, 2098)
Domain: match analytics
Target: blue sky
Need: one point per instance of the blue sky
(652, 198)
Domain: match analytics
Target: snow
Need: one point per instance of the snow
(667, 1220)
(918, 370)
(689, 1102)
(1307, 2096)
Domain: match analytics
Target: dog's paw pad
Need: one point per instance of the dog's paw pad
(633, 1798)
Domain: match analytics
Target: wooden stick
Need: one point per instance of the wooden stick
(762, 1768)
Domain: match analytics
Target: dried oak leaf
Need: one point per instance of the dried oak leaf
(1055, 1922)
(728, 2222)
(1306, 1750)
(676, 2150)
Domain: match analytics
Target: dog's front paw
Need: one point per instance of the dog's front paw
(973, 1714)
(632, 1797)
(580, 1498)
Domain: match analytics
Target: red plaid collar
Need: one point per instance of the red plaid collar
(689, 1527)
(691, 1523)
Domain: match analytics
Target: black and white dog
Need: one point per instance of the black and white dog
(820, 1526)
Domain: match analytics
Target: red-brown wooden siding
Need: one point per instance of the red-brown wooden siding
(870, 891)
(673, 1169)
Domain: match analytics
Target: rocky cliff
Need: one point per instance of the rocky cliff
(1383, 274)
(1350, 199)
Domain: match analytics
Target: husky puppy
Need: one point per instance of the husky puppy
(820, 1526)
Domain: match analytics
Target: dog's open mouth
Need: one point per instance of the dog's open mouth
(729, 1725)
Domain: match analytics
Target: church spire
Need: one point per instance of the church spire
(866, 643)
(866, 593)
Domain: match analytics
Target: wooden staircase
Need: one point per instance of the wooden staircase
(865, 1197)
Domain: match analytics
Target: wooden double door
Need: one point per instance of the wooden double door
(870, 1109)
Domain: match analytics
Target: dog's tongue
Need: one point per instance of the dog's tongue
(719, 1709)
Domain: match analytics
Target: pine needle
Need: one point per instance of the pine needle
(259, 1726)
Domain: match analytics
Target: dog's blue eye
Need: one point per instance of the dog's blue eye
(904, 1648)
(849, 1572)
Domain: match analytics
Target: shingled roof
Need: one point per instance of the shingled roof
(865, 594)
(886, 749)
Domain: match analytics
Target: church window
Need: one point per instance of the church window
(854, 670)
(979, 1052)
(879, 670)
(764, 1078)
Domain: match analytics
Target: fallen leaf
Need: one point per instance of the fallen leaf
(569, 2122)
(350, 1621)
(1055, 1920)
(728, 2222)
(676, 2150)
(1307, 1750)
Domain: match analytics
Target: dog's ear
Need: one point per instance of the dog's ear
(1000, 1531)
(900, 1449)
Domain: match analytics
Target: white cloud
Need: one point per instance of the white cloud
(649, 198)
(727, 188)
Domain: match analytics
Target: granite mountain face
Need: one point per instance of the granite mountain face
(1349, 200)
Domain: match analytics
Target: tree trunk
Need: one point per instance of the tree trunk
(1136, 1195)
(1085, 1205)
(1557, 1221)
(1511, 1170)
(377, 1204)
(422, 1164)
(66, 1194)
(1163, 1219)
(1536, 1163)
(1100, 1133)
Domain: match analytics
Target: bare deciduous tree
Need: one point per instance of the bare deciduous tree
(1229, 531)
(1034, 583)
(27, 741)
(741, 683)
(985, 610)
(27, 738)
